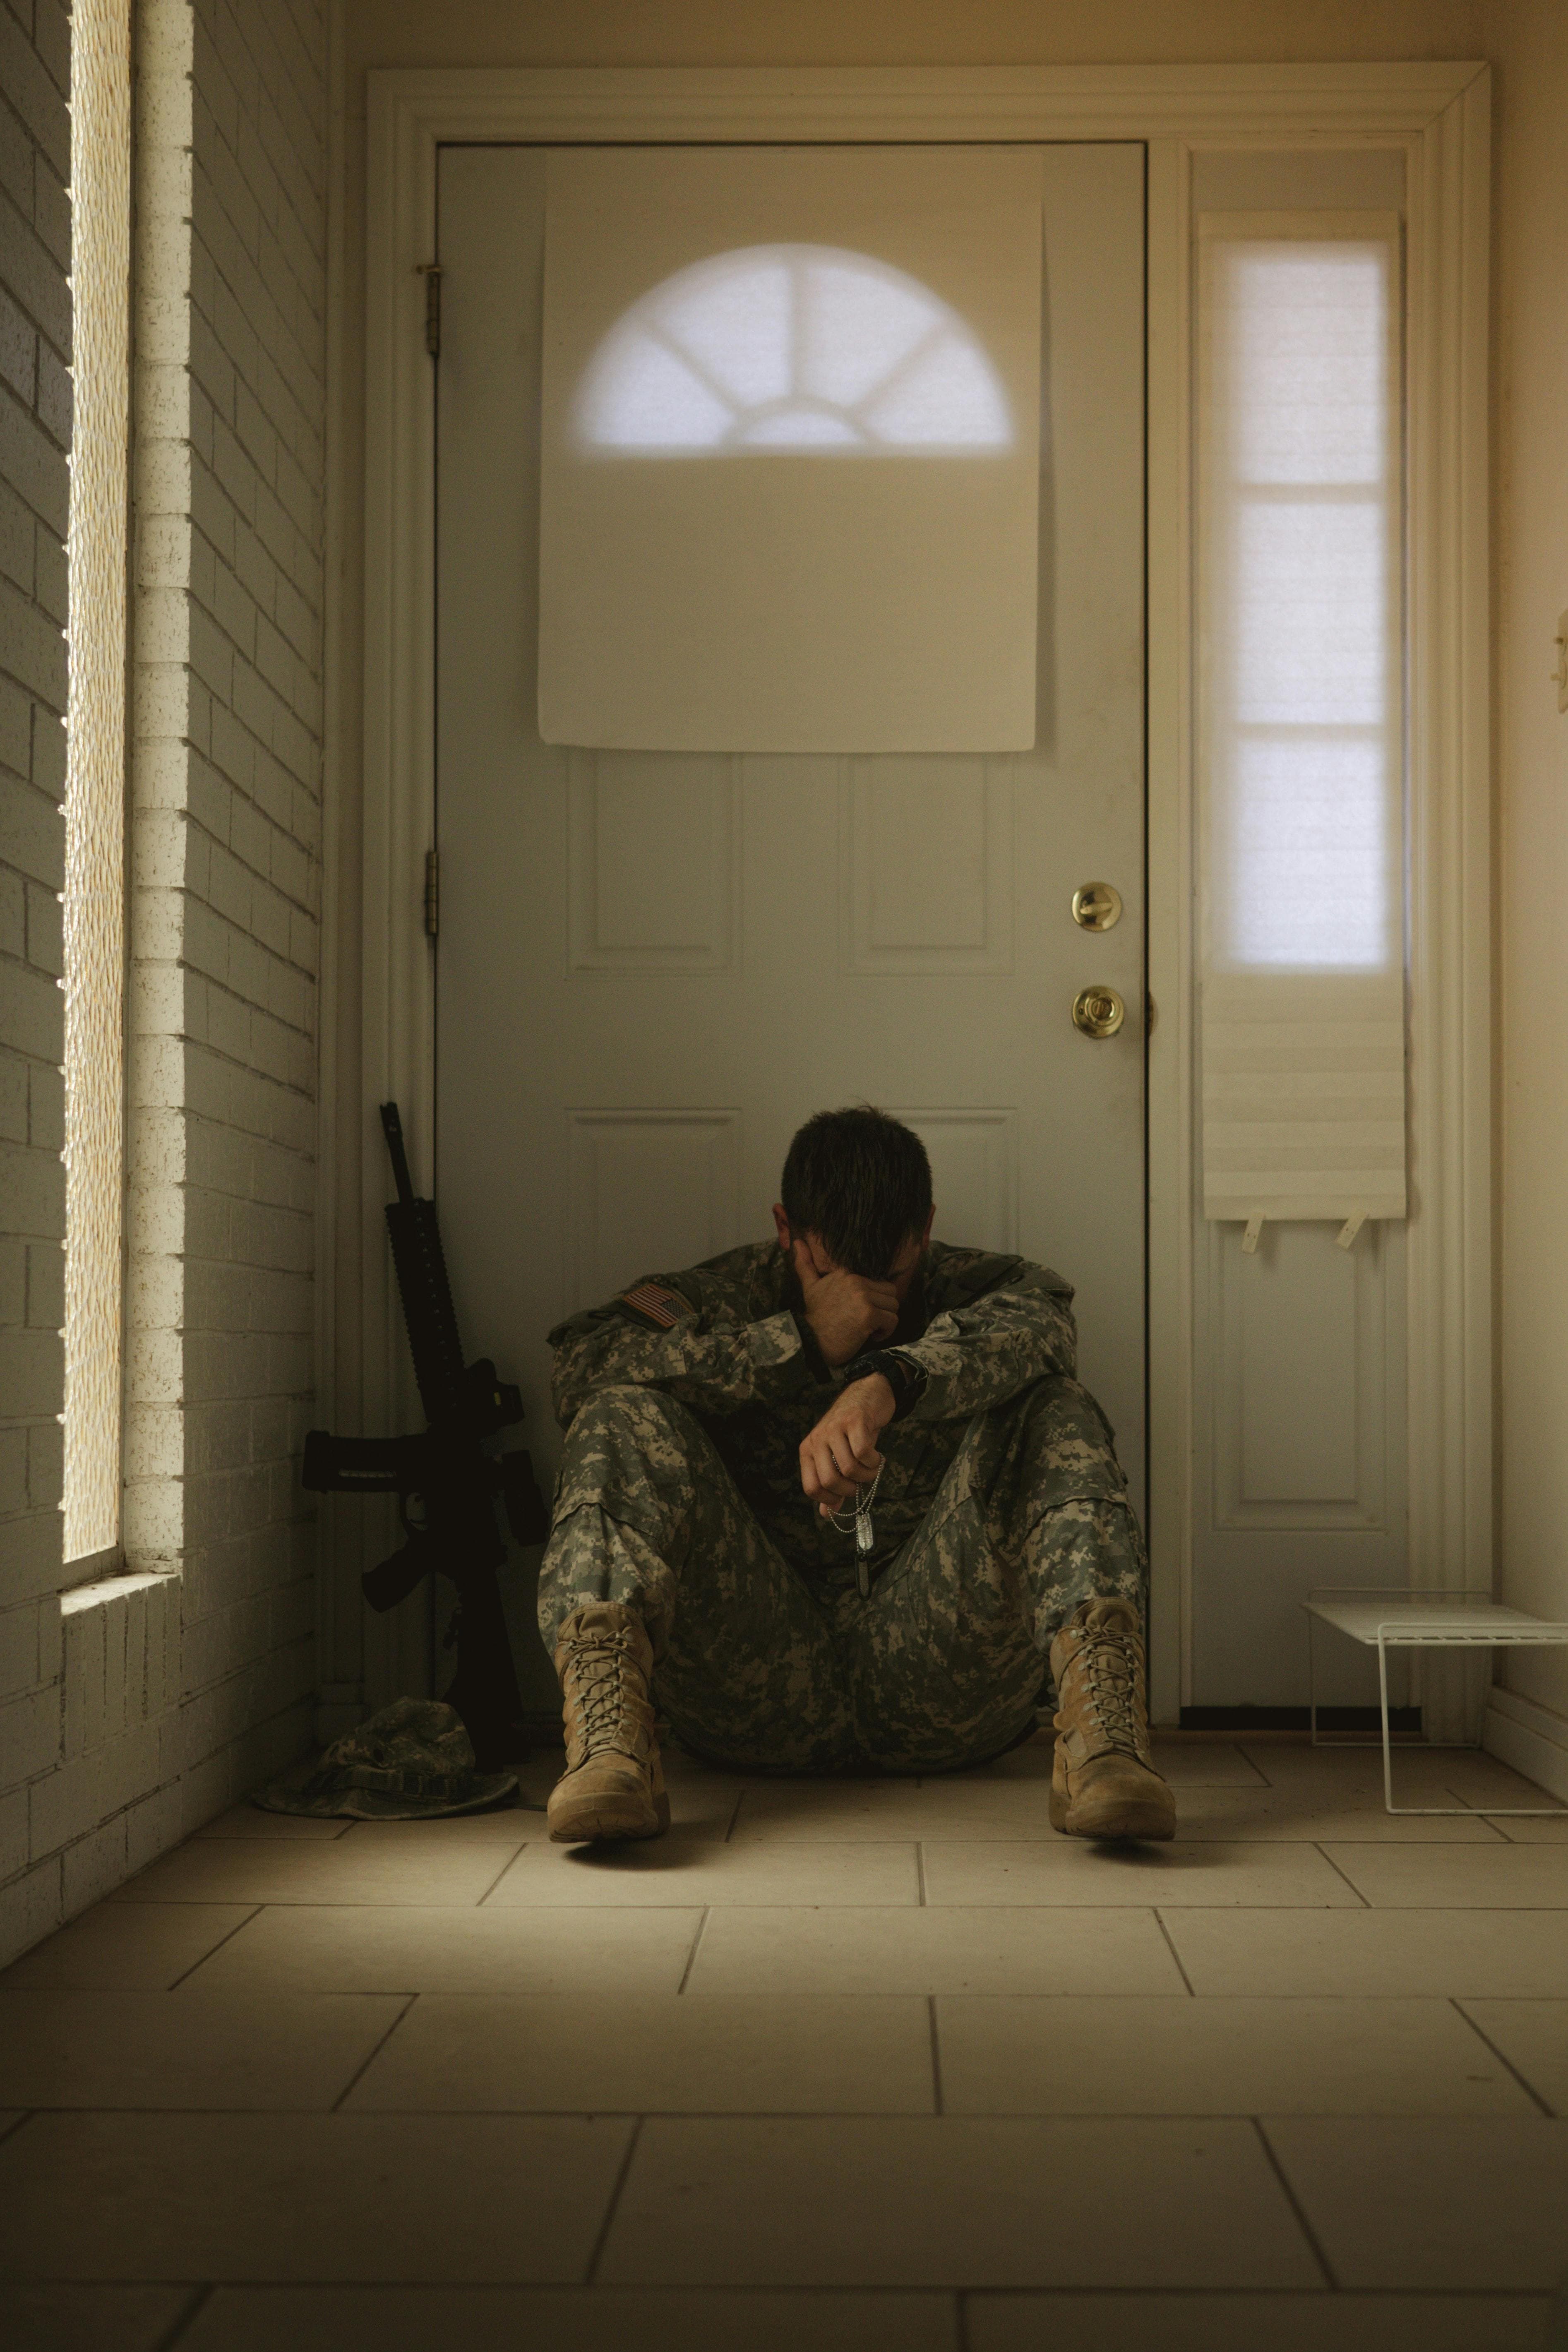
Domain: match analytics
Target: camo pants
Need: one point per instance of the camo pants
(760, 1666)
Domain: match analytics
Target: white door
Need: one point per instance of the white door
(652, 967)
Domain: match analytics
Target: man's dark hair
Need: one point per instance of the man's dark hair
(861, 1183)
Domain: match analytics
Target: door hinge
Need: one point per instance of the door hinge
(431, 273)
(432, 894)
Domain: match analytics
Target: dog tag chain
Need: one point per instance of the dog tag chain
(859, 1526)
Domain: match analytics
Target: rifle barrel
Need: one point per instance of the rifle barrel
(392, 1127)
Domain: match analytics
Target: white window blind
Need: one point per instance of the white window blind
(790, 450)
(1300, 717)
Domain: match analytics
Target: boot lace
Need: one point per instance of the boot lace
(597, 1689)
(1112, 1665)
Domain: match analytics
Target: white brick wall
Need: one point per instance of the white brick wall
(225, 907)
(35, 431)
(174, 1689)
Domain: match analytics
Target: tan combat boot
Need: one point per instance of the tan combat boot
(1103, 1781)
(613, 1786)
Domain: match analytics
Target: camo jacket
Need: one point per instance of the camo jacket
(728, 1340)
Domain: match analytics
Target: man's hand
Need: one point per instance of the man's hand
(839, 1457)
(845, 1312)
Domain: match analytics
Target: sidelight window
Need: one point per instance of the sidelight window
(1300, 717)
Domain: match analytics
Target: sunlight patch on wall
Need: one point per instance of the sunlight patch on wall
(725, 332)
(95, 771)
(803, 348)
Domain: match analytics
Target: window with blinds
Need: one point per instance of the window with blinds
(1300, 715)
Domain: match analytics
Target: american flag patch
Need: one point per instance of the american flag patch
(665, 1307)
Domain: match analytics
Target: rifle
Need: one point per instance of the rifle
(447, 1473)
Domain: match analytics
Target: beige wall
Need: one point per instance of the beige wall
(905, 32)
(1530, 49)
(1527, 40)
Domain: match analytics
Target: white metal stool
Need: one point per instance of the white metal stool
(1378, 1619)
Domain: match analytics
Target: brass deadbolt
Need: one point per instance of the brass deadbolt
(1097, 907)
(1097, 1011)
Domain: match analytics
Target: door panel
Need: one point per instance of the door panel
(652, 967)
(1300, 1396)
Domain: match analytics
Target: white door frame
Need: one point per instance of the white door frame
(1439, 114)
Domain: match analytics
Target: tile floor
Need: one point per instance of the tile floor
(868, 2067)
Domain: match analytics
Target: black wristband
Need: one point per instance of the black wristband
(906, 1380)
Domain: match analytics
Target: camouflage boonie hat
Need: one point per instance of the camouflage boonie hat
(410, 1762)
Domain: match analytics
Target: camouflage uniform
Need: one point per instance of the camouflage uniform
(1001, 1506)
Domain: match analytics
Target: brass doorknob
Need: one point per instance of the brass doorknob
(1097, 907)
(1097, 1011)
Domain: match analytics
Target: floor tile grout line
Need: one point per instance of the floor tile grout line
(1054, 1908)
(1257, 1768)
(920, 1870)
(237, 1928)
(1170, 1948)
(1310, 2297)
(199, 2298)
(960, 2332)
(589, 2274)
(381, 2044)
(1460, 1799)
(691, 1955)
(1456, 2001)
(1272, 2160)
(247, 1838)
(735, 1814)
(935, 2054)
(23, 2115)
(509, 1864)
(1348, 1880)
(903, 2117)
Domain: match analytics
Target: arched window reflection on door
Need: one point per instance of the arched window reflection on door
(793, 348)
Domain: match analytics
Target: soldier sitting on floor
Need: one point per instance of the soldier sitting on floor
(830, 1502)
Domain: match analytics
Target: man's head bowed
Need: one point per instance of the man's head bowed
(860, 1183)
